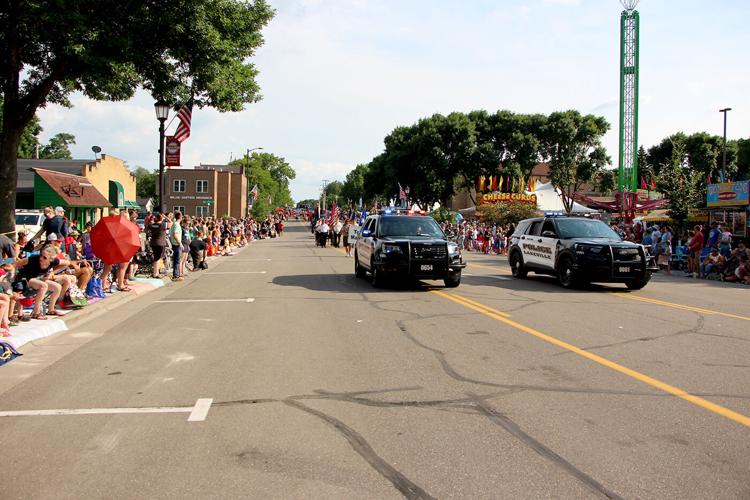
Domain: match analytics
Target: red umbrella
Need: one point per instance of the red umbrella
(279, 209)
(115, 239)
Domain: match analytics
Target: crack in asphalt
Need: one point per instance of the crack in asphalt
(545, 452)
(362, 447)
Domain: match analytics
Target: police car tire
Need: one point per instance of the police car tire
(637, 284)
(566, 275)
(377, 276)
(517, 270)
(359, 272)
(452, 280)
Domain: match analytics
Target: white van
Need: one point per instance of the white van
(29, 221)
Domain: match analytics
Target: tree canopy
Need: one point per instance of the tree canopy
(105, 50)
(271, 174)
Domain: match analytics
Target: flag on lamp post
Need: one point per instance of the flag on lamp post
(185, 114)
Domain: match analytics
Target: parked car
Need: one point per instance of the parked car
(29, 221)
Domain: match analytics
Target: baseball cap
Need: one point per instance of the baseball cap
(59, 209)
(52, 237)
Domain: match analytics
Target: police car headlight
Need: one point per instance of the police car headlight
(452, 249)
(391, 249)
(589, 249)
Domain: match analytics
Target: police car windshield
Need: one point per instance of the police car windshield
(585, 228)
(410, 226)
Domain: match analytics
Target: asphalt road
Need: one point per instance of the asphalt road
(323, 387)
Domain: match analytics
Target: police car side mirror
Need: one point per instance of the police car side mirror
(365, 233)
(549, 234)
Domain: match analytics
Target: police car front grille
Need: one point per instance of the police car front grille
(626, 254)
(429, 251)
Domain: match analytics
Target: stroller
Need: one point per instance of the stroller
(143, 261)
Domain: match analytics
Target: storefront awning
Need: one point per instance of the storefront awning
(116, 194)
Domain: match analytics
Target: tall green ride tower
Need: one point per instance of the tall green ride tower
(629, 38)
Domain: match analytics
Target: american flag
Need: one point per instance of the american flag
(185, 114)
(254, 192)
(401, 192)
(335, 212)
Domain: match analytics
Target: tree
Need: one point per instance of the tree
(174, 50)
(271, 174)
(503, 214)
(354, 185)
(679, 184)
(606, 181)
(333, 193)
(309, 203)
(743, 159)
(146, 183)
(57, 149)
(576, 154)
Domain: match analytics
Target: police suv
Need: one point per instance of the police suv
(403, 243)
(578, 251)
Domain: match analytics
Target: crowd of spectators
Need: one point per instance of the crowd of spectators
(57, 269)
(476, 236)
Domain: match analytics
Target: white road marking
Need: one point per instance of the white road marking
(236, 272)
(183, 301)
(504, 278)
(198, 412)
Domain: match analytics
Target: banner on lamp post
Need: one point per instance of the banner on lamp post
(172, 147)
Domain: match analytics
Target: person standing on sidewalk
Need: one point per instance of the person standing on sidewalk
(175, 239)
(158, 241)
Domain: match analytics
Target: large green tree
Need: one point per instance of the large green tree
(57, 148)
(679, 183)
(576, 154)
(106, 50)
(146, 183)
(271, 174)
(354, 185)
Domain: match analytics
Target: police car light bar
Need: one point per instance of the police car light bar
(554, 214)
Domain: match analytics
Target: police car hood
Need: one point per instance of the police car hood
(605, 241)
(413, 239)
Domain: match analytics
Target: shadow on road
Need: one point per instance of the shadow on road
(344, 283)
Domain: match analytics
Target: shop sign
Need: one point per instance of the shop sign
(529, 199)
(727, 194)
(172, 147)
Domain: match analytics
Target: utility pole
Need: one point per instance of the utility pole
(724, 149)
(325, 185)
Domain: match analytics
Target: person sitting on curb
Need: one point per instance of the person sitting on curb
(79, 271)
(37, 271)
(713, 263)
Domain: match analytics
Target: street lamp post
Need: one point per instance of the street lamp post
(162, 113)
(724, 149)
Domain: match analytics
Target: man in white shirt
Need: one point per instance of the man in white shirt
(337, 233)
(323, 233)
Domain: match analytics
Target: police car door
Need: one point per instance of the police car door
(547, 242)
(364, 242)
(529, 244)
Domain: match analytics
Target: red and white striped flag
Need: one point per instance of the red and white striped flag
(254, 192)
(185, 114)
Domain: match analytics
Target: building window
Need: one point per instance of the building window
(201, 211)
(179, 186)
(178, 208)
(201, 186)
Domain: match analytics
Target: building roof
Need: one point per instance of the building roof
(235, 169)
(75, 190)
(26, 175)
(540, 170)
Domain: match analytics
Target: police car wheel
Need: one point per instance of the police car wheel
(377, 276)
(566, 275)
(359, 272)
(639, 283)
(452, 280)
(516, 265)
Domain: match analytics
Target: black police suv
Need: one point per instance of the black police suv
(407, 245)
(578, 251)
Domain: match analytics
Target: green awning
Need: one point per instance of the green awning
(117, 194)
(132, 204)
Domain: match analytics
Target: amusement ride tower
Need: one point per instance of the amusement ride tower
(627, 181)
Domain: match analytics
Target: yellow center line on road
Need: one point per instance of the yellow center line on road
(481, 306)
(680, 306)
(663, 386)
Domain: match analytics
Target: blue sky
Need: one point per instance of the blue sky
(338, 75)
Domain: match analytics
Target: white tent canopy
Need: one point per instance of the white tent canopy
(549, 199)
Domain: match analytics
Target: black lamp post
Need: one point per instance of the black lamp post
(162, 113)
(724, 149)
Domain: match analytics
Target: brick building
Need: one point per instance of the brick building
(215, 190)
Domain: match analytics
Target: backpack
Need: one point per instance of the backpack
(94, 288)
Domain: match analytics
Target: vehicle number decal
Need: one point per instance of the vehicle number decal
(624, 269)
(425, 267)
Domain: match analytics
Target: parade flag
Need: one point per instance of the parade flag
(364, 216)
(185, 114)
(643, 183)
(254, 192)
(401, 192)
(360, 202)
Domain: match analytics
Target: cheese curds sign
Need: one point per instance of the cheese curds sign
(506, 197)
